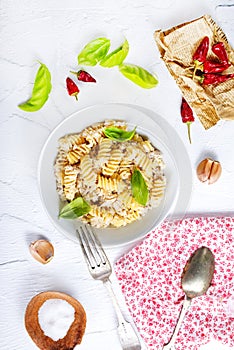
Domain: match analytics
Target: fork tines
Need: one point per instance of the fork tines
(91, 246)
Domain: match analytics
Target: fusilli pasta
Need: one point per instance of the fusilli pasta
(100, 169)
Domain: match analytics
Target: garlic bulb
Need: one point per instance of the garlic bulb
(42, 250)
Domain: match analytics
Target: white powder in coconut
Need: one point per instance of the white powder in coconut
(55, 318)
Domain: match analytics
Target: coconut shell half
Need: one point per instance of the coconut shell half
(74, 334)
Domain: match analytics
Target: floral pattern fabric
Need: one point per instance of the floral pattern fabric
(150, 276)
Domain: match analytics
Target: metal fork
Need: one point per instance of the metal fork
(100, 269)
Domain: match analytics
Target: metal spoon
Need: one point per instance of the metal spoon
(195, 280)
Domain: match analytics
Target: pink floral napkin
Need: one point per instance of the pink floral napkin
(150, 276)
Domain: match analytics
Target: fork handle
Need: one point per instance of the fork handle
(125, 329)
(118, 311)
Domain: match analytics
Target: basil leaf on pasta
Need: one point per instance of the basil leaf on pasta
(118, 134)
(75, 209)
(139, 188)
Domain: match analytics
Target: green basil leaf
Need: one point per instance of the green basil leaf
(94, 52)
(116, 57)
(138, 75)
(139, 188)
(41, 90)
(118, 134)
(74, 209)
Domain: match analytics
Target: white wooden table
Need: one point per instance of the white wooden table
(54, 32)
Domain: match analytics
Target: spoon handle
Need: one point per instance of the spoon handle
(186, 304)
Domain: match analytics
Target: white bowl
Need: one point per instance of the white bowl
(76, 123)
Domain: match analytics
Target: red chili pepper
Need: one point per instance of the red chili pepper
(72, 88)
(202, 50)
(187, 115)
(214, 67)
(220, 51)
(200, 54)
(212, 79)
(84, 76)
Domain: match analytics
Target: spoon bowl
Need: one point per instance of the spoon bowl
(198, 273)
(195, 281)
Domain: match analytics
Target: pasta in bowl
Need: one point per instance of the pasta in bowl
(108, 176)
(53, 164)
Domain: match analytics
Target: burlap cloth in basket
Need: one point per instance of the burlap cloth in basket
(177, 46)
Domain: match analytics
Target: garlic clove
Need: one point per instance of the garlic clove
(216, 171)
(209, 171)
(203, 169)
(42, 250)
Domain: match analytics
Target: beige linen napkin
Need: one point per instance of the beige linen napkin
(177, 46)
